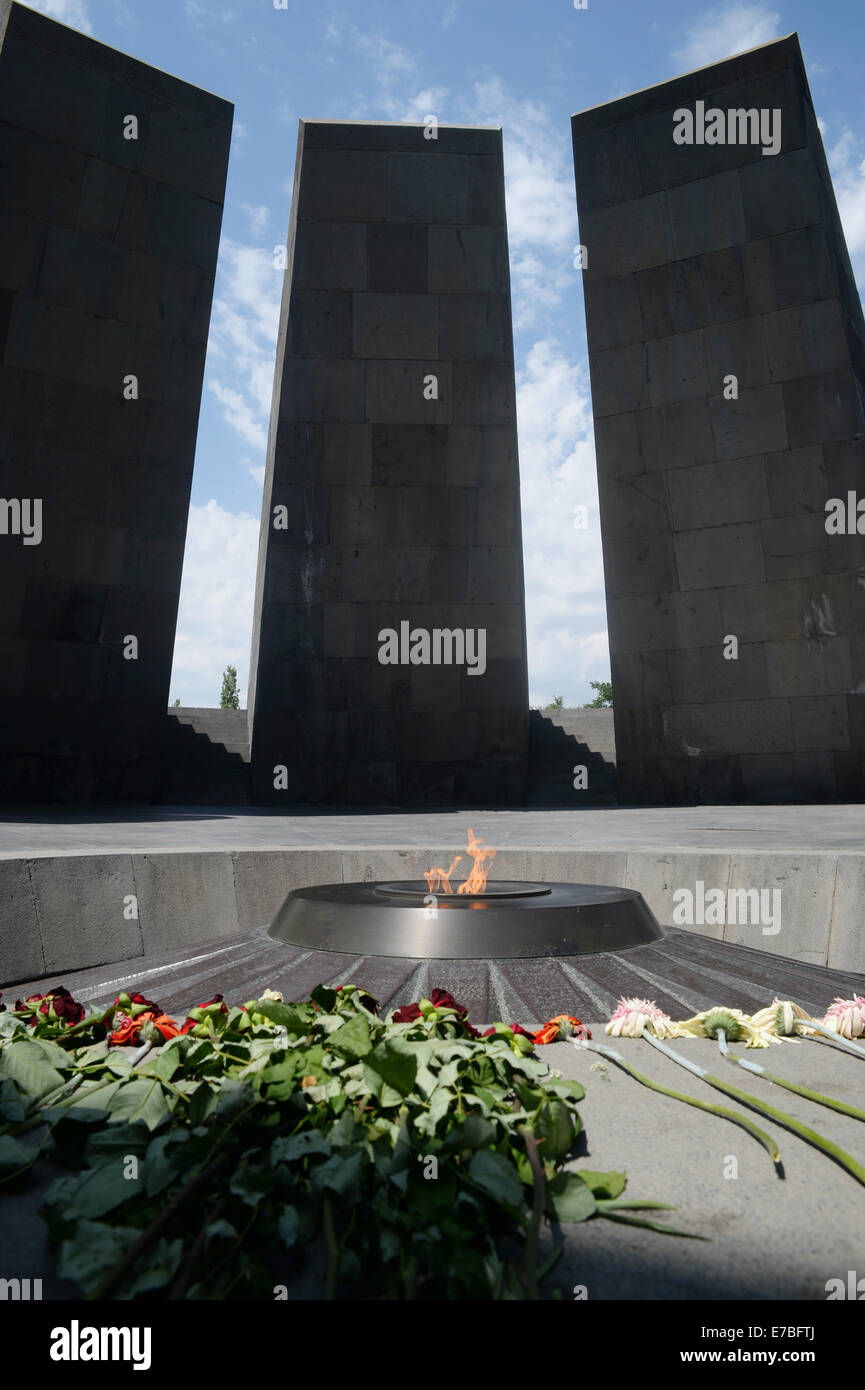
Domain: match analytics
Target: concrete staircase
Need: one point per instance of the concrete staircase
(205, 758)
(559, 741)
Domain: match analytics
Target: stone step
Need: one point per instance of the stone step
(206, 758)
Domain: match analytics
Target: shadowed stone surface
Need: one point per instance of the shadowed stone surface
(398, 504)
(107, 258)
(705, 261)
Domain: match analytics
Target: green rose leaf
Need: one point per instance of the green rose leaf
(570, 1198)
(295, 1021)
(395, 1062)
(201, 1102)
(341, 1173)
(161, 1266)
(97, 1191)
(24, 1060)
(498, 1177)
(14, 1158)
(474, 1132)
(604, 1185)
(296, 1146)
(352, 1039)
(138, 1099)
(113, 1141)
(93, 1249)
(554, 1129)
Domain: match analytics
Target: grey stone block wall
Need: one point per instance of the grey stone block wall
(107, 259)
(704, 261)
(397, 508)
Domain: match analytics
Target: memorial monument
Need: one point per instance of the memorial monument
(727, 356)
(389, 650)
(112, 177)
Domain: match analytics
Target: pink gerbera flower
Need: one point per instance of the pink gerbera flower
(632, 1016)
(847, 1016)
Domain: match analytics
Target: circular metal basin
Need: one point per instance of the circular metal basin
(508, 921)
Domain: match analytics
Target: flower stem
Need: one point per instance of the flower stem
(836, 1037)
(116, 1274)
(534, 1227)
(816, 1096)
(833, 1151)
(733, 1115)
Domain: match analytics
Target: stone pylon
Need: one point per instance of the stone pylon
(388, 655)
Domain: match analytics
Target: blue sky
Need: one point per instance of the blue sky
(526, 67)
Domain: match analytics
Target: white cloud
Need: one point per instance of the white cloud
(243, 336)
(216, 602)
(240, 414)
(201, 14)
(718, 32)
(385, 57)
(255, 470)
(428, 102)
(565, 608)
(539, 175)
(71, 12)
(847, 165)
(259, 216)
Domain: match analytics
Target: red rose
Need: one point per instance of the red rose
(57, 1006)
(440, 999)
(407, 1014)
(191, 1022)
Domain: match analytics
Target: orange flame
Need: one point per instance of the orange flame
(439, 879)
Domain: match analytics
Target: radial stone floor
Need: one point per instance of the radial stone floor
(683, 973)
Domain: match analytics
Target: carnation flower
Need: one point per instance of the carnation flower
(560, 1027)
(846, 1016)
(145, 1027)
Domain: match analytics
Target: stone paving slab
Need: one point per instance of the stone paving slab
(770, 1237)
(38, 831)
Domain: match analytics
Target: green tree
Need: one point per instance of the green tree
(604, 697)
(230, 697)
(557, 702)
(177, 704)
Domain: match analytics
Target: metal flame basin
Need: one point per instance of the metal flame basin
(509, 920)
